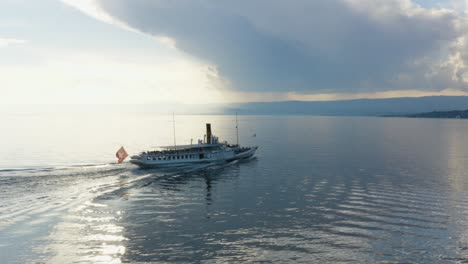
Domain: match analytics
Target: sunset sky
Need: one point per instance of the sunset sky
(200, 51)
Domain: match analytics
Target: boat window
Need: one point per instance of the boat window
(154, 158)
(148, 158)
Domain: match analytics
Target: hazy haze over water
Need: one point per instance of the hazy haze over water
(321, 189)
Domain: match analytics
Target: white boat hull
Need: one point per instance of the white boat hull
(147, 161)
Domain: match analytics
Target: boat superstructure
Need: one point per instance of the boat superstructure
(209, 150)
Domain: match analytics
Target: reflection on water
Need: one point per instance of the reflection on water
(322, 189)
(326, 221)
(89, 234)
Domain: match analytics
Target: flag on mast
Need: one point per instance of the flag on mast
(121, 154)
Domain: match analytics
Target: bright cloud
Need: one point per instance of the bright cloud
(325, 46)
(109, 78)
(5, 42)
(202, 51)
(71, 58)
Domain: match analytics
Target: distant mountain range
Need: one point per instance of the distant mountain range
(430, 105)
(358, 107)
(442, 114)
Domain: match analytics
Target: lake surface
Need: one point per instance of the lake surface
(322, 189)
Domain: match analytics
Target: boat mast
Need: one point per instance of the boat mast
(173, 125)
(237, 129)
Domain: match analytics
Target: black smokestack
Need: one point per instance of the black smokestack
(208, 133)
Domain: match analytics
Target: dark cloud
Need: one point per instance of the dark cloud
(310, 46)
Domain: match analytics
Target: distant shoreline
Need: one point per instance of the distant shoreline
(454, 114)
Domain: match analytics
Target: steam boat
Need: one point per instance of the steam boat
(208, 150)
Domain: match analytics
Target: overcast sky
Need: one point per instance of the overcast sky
(202, 51)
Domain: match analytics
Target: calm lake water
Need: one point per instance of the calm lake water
(322, 189)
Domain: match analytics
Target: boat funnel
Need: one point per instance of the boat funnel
(208, 133)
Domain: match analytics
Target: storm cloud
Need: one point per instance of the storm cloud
(305, 46)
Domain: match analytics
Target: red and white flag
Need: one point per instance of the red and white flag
(121, 155)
